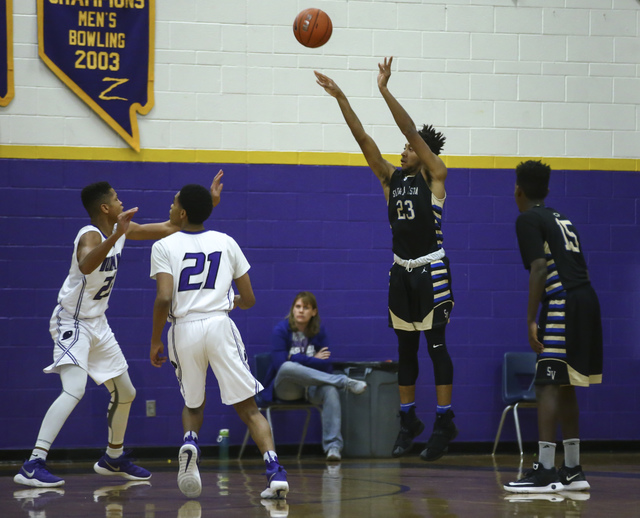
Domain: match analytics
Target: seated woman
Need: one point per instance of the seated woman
(300, 368)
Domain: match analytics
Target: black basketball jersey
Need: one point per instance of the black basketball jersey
(415, 216)
(545, 233)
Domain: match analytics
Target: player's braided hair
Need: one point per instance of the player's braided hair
(434, 139)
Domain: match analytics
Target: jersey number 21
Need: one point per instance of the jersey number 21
(213, 263)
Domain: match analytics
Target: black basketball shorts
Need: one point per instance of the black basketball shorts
(570, 328)
(420, 298)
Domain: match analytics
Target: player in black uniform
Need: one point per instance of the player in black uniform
(420, 298)
(568, 334)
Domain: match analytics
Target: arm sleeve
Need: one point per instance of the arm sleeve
(530, 238)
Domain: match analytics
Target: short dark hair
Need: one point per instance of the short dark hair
(434, 139)
(94, 195)
(196, 201)
(532, 177)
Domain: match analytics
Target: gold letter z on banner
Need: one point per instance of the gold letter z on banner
(89, 44)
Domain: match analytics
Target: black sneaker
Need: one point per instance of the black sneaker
(444, 431)
(537, 480)
(410, 428)
(573, 479)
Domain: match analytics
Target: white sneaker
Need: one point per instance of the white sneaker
(189, 475)
(356, 386)
(334, 454)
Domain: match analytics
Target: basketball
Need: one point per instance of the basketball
(312, 27)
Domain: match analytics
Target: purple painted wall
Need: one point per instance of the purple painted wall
(322, 229)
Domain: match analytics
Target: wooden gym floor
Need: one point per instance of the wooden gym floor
(456, 486)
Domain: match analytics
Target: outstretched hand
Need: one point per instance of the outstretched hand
(124, 218)
(328, 84)
(385, 72)
(216, 188)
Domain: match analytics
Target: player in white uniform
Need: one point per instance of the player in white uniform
(194, 270)
(84, 344)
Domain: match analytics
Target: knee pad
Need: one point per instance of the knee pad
(122, 390)
(76, 392)
(442, 364)
(74, 381)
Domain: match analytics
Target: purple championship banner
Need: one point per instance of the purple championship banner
(6, 52)
(103, 51)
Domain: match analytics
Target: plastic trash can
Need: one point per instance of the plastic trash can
(370, 421)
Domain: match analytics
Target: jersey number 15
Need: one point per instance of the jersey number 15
(571, 242)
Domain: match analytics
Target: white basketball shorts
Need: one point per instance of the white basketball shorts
(215, 341)
(88, 343)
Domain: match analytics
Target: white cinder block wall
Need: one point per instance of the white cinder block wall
(501, 77)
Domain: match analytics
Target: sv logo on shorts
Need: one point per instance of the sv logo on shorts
(551, 373)
(67, 334)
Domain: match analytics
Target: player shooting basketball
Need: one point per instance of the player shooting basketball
(420, 299)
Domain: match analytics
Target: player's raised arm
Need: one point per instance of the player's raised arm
(216, 188)
(433, 162)
(381, 167)
(155, 231)
(92, 250)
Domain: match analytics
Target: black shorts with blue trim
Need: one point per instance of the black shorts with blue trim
(420, 298)
(570, 328)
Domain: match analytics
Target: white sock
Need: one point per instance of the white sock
(546, 454)
(190, 435)
(37, 453)
(270, 456)
(571, 452)
(114, 453)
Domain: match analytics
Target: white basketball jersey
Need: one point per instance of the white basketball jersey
(87, 296)
(203, 265)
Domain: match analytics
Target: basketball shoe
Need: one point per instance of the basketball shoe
(410, 428)
(444, 431)
(34, 473)
(122, 467)
(536, 480)
(189, 480)
(277, 485)
(573, 479)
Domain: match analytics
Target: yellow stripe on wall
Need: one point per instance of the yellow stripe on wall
(298, 158)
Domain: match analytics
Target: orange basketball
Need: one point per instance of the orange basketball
(312, 27)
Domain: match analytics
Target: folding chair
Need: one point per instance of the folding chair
(262, 361)
(518, 375)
